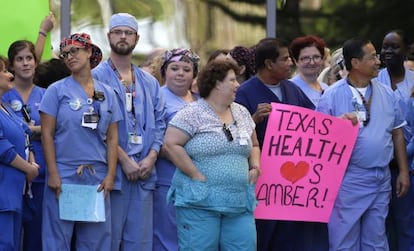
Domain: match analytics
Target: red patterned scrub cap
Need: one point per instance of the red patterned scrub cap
(83, 40)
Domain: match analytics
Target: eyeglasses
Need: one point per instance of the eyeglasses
(120, 32)
(72, 51)
(374, 57)
(227, 132)
(307, 59)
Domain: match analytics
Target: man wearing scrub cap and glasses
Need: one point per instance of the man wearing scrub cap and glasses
(140, 137)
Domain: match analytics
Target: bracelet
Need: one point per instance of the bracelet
(42, 33)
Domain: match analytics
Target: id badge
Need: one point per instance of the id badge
(128, 101)
(244, 138)
(361, 115)
(90, 120)
(134, 139)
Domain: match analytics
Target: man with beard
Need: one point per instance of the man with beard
(400, 220)
(140, 137)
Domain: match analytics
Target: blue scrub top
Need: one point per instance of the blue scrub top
(15, 101)
(173, 104)
(311, 93)
(376, 137)
(75, 144)
(149, 111)
(13, 133)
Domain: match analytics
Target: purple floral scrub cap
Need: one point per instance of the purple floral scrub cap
(180, 54)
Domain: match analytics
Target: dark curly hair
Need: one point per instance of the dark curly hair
(244, 56)
(214, 71)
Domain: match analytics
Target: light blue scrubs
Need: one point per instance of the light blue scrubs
(216, 214)
(400, 221)
(403, 93)
(311, 93)
(132, 203)
(165, 228)
(358, 217)
(76, 145)
(32, 205)
(12, 143)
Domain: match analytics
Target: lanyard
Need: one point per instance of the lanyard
(131, 91)
(367, 104)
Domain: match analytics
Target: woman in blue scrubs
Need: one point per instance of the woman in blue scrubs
(79, 116)
(25, 99)
(178, 70)
(13, 167)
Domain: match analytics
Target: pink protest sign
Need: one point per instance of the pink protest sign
(304, 158)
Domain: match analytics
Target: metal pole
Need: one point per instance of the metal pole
(271, 18)
(65, 18)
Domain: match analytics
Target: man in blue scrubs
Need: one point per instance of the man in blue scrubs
(358, 218)
(140, 137)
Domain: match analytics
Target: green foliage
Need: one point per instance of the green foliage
(370, 19)
(140, 8)
(89, 10)
(336, 20)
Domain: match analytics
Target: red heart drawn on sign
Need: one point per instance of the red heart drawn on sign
(292, 172)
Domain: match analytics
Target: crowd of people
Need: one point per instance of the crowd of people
(174, 147)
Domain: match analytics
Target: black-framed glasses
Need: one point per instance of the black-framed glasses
(227, 132)
(120, 32)
(72, 51)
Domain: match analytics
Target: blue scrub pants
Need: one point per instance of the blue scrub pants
(10, 232)
(200, 229)
(57, 233)
(89, 236)
(132, 216)
(400, 220)
(32, 218)
(118, 216)
(165, 227)
(358, 218)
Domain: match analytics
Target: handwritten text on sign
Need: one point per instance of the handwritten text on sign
(304, 157)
